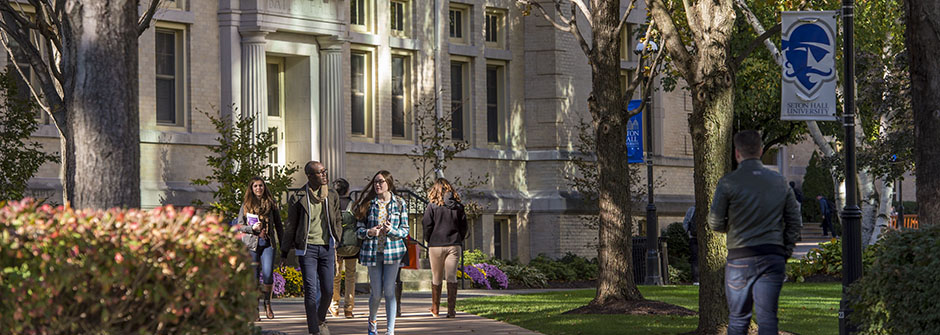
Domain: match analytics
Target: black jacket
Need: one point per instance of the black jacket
(295, 235)
(445, 225)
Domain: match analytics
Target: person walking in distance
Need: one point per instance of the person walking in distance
(761, 217)
(688, 223)
(825, 208)
(445, 226)
(260, 220)
(346, 262)
(312, 225)
(383, 224)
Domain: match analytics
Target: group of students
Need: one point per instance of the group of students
(315, 222)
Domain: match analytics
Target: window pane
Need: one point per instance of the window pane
(453, 28)
(458, 22)
(358, 84)
(490, 28)
(398, 96)
(492, 105)
(274, 90)
(166, 53)
(397, 13)
(456, 100)
(166, 101)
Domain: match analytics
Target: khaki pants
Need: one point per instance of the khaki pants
(350, 269)
(444, 263)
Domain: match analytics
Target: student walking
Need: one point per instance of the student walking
(825, 208)
(312, 225)
(260, 220)
(761, 216)
(383, 224)
(445, 226)
(346, 255)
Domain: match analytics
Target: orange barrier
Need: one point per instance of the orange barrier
(910, 221)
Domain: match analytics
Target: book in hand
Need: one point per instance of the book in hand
(253, 221)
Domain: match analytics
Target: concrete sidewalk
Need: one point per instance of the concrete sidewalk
(415, 319)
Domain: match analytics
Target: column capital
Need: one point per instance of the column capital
(254, 37)
(331, 43)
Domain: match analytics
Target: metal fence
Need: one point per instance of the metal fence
(639, 260)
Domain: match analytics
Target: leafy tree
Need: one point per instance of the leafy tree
(816, 181)
(241, 155)
(19, 157)
(84, 55)
(434, 149)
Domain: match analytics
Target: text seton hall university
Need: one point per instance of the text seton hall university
(808, 108)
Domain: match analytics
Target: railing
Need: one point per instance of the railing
(910, 222)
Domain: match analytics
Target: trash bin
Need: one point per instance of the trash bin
(412, 255)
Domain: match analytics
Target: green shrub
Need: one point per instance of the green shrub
(474, 256)
(20, 157)
(816, 181)
(163, 271)
(571, 267)
(899, 294)
(827, 260)
(677, 242)
(525, 276)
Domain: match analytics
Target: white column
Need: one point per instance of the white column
(254, 82)
(332, 111)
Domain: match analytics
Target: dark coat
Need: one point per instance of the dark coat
(445, 225)
(275, 229)
(295, 236)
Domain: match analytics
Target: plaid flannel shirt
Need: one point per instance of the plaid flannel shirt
(394, 243)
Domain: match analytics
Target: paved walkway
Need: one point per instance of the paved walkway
(415, 320)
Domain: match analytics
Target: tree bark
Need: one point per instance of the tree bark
(923, 43)
(102, 134)
(615, 275)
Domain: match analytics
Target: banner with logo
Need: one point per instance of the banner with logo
(808, 45)
(635, 134)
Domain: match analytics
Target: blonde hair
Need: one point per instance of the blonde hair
(436, 193)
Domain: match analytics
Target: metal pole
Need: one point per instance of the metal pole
(900, 202)
(851, 215)
(652, 224)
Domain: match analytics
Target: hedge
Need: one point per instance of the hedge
(162, 271)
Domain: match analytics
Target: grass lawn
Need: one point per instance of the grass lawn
(805, 308)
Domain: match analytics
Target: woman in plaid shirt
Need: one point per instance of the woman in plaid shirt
(383, 224)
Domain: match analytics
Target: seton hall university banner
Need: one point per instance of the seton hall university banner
(809, 69)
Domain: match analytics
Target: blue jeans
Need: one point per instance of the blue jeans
(382, 283)
(754, 283)
(317, 267)
(263, 257)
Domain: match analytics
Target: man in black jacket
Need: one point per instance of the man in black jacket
(759, 212)
(311, 232)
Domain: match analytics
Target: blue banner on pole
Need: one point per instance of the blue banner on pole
(635, 134)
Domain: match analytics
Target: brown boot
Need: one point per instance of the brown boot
(435, 300)
(451, 300)
(266, 292)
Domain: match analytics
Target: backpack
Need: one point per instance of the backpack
(349, 244)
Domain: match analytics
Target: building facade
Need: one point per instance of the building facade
(341, 82)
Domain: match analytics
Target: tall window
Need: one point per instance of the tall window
(398, 17)
(22, 82)
(359, 82)
(493, 26)
(457, 27)
(168, 74)
(400, 80)
(357, 12)
(274, 89)
(457, 106)
(275, 118)
(493, 103)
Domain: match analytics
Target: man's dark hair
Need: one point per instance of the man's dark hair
(748, 143)
(308, 169)
(341, 186)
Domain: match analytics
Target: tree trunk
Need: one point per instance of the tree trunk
(711, 142)
(101, 97)
(886, 190)
(868, 203)
(614, 254)
(923, 43)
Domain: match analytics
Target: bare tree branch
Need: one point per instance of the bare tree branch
(693, 20)
(763, 38)
(545, 15)
(13, 60)
(144, 22)
(683, 61)
(573, 23)
(637, 73)
(626, 14)
(584, 10)
(567, 25)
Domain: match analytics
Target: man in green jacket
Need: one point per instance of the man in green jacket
(761, 216)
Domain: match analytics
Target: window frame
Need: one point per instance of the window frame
(500, 35)
(369, 94)
(405, 18)
(466, 103)
(180, 77)
(463, 25)
(500, 104)
(407, 91)
(368, 17)
(280, 138)
(627, 42)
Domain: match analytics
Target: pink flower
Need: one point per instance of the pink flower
(118, 258)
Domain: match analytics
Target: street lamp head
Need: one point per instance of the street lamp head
(640, 46)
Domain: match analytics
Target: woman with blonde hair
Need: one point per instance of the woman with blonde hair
(445, 227)
(260, 220)
(383, 226)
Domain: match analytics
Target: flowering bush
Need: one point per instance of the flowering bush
(278, 288)
(162, 271)
(293, 282)
(486, 275)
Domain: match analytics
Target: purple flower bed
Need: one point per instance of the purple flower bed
(486, 275)
(279, 283)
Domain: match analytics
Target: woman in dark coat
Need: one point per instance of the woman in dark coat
(260, 220)
(445, 227)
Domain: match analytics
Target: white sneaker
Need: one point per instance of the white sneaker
(324, 330)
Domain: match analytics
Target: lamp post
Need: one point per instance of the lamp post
(851, 215)
(652, 221)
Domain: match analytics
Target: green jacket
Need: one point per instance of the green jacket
(755, 206)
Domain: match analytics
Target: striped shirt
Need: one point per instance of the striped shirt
(397, 215)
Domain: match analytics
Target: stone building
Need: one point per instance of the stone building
(339, 81)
